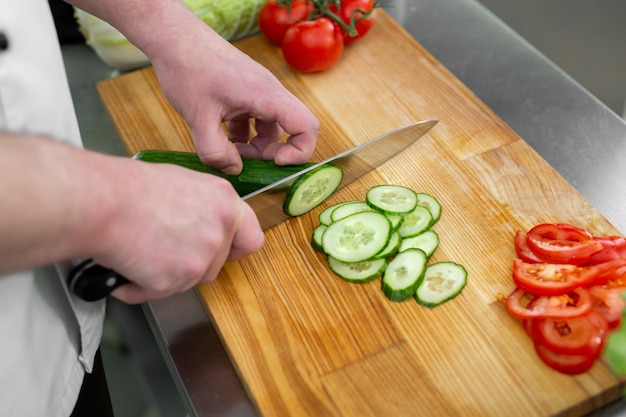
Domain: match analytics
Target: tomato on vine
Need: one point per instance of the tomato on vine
(276, 16)
(359, 14)
(313, 45)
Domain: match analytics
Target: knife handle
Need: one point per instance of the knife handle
(91, 282)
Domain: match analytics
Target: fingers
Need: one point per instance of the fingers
(215, 149)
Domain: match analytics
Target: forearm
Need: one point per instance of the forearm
(47, 212)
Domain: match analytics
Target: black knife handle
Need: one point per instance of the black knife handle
(92, 282)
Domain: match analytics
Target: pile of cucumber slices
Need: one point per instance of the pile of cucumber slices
(389, 234)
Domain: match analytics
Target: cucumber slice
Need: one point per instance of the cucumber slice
(391, 199)
(416, 222)
(349, 208)
(312, 189)
(432, 204)
(324, 216)
(396, 220)
(358, 237)
(391, 248)
(427, 242)
(316, 239)
(359, 271)
(403, 275)
(442, 282)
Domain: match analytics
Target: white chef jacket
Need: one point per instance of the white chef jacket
(48, 338)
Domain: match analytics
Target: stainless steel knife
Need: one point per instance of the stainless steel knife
(92, 282)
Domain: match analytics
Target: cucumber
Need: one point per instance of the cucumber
(256, 173)
(427, 242)
(358, 237)
(403, 275)
(359, 271)
(311, 189)
(416, 222)
(391, 199)
(442, 281)
(432, 204)
(316, 239)
(349, 208)
(392, 246)
(325, 215)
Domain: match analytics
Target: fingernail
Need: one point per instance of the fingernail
(232, 169)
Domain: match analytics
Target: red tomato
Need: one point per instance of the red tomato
(312, 46)
(274, 20)
(576, 336)
(522, 250)
(564, 363)
(562, 243)
(613, 247)
(573, 304)
(551, 279)
(350, 10)
(608, 303)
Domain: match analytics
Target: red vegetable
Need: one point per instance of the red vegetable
(562, 243)
(351, 11)
(570, 305)
(552, 279)
(312, 46)
(275, 19)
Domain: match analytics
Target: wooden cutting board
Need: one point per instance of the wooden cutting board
(307, 343)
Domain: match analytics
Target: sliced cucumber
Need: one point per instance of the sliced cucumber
(427, 242)
(392, 199)
(312, 189)
(396, 220)
(324, 216)
(432, 204)
(316, 239)
(392, 247)
(416, 222)
(359, 271)
(442, 282)
(403, 275)
(349, 208)
(358, 237)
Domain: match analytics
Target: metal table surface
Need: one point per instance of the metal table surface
(578, 135)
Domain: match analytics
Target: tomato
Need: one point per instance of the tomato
(573, 304)
(312, 46)
(551, 279)
(274, 19)
(576, 336)
(562, 243)
(608, 303)
(353, 9)
(522, 249)
(565, 363)
(613, 247)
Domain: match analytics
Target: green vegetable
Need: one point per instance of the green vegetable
(403, 275)
(358, 271)
(392, 199)
(311, 189)
(256, 173)
(441, 282)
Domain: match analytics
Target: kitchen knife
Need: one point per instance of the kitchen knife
(92, 282)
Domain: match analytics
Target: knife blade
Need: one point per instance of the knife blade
(92, 282)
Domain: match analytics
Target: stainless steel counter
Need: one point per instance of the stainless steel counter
(572, 130)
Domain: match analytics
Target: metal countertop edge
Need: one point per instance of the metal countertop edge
(554, 114)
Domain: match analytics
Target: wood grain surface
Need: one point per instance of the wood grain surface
(306, 343)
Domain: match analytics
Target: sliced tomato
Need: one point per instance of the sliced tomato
(562, 243)
(613, 247)
(524, 306)
(522, 249)
(564, 363)
(608, 302)
(551, 279)
(575, 336)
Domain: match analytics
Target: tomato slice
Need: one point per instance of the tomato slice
(562, 243)
(575, 336)
(564, 363)
(551, 279)
(613, 247)
(573, 304)
(609, 303)
(522, 249)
